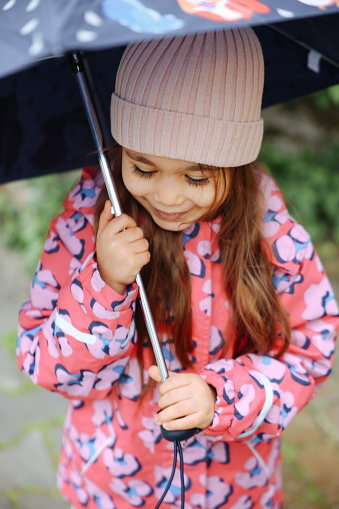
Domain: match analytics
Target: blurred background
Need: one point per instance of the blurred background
(301, 149)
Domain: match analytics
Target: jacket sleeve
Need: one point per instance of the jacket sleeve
(75, 333)
(258, 395)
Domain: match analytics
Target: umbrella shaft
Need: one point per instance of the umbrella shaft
(113, 196)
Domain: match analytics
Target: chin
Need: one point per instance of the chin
(171, 227)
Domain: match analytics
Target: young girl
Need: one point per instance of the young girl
(241, 303)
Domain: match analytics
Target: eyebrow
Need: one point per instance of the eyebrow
(142, 159)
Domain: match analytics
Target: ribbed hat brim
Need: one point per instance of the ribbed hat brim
(147, 130)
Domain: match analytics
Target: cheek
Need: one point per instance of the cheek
(132, 184)
(219, 193)
(206, 198)
(220, 196)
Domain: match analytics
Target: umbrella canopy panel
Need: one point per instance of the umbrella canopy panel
(44, 128)
(34, 29)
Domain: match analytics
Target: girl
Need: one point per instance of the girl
(245, 313)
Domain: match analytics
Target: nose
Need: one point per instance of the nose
(168, 193)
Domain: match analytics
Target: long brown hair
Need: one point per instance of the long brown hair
(260, 320)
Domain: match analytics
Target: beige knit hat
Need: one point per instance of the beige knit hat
(196, 98)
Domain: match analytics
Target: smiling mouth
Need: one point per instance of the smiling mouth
(173, 216)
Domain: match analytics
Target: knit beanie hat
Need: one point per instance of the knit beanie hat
(196, 98)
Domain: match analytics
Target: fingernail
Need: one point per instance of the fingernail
(165, 425)
(156, 420)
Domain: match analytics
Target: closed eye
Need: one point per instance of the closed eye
(197, 182)
(142, 173)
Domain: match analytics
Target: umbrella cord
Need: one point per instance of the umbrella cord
(182, 479)
(177, 447)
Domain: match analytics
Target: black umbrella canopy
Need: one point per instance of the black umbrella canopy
(43, 123)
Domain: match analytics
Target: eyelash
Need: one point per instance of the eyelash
(141, 173)
(148, 174)
(197, 182)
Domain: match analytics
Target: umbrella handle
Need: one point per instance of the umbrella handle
(78, 69)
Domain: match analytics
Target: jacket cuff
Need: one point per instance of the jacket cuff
(90, 311)
(224, 389)
(239, 409)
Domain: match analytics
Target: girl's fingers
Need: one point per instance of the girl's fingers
(133, 235)
(154, 373)
(142, 259)
(117, 224)
(175, 396)
(123, 222)
(183, 415)
(105, 216)
(187, 422)
(175, 381)
(186, 400)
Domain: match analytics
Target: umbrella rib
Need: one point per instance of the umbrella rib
(303, 45)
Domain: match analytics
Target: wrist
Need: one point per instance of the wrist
(116, 286)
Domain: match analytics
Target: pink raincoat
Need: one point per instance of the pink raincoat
(77, 338)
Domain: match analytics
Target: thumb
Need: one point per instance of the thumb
(154, 373)
(106, 216)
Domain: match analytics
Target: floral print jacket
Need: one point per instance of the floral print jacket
(77, 337)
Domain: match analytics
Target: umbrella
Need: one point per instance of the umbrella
(40, 107)
(38, 103)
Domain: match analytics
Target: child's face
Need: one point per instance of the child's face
(175, 193)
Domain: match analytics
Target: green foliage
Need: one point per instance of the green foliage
(8, 339)
(26, 211)
(310, 184)
(327, 99)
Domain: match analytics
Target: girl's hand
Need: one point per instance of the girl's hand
(122, 249)
(186, 401)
